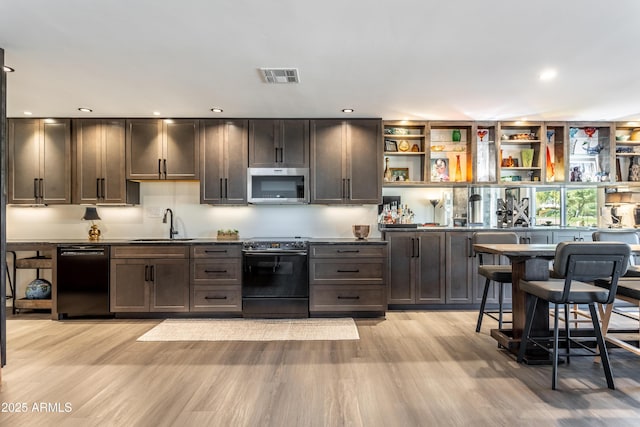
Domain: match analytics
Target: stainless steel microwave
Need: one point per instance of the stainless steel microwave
(278, 185)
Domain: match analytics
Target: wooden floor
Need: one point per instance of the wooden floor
(412, 369)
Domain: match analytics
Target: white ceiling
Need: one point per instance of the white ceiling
(402, 59)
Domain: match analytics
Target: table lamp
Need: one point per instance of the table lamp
(91, 214)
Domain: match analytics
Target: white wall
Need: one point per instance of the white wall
(191, 218)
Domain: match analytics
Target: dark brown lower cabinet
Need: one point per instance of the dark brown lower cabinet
(348, 278)
(417, 266)
(149, 279)
(461, 268)
(216, 278)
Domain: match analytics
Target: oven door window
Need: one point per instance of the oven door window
(273, 276)
(277, 187)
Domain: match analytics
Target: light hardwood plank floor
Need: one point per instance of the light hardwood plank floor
(410, 369)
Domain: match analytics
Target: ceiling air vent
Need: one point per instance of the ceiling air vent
(280, 75)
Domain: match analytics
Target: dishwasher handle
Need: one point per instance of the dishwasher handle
(82, 251)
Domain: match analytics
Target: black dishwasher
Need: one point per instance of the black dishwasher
(83, 280)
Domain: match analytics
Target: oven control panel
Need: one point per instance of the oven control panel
(296, 245)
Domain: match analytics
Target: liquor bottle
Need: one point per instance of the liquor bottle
(387, 171)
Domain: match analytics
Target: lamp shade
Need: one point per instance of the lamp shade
(91, 214)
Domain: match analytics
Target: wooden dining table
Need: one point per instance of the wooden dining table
(529, 262)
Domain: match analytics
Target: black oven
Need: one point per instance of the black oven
(275, 279)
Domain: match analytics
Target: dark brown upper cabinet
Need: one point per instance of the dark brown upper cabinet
(39, 161)
(162, 149)
(278, 143)
(346, 166)
(98, 148)
(224, 161)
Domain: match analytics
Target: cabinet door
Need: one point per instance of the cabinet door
(402, 253)
(169, 282)
(364, 179)
(24, 155)
(264, 147)
(113, 184)
(430, 277)
(87, 148)
(99, 172)
(237, 157)
(328, 182)
(294, 140)
(144, 149)
(55, 162)
(180, 149)
(224, 162)
(460, 264)
(211, 161)
(128, 285)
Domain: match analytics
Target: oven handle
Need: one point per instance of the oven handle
(268, 253)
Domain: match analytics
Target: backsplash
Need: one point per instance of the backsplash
(192, 219)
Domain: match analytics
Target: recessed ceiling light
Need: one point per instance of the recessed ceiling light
(217, 110)
(156, 113)
(548, 74)
(27, 113)
(85, 110)
(8, 69)
(348, 110)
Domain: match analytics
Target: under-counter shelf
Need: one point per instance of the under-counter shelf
(32, 304)
(37, 262)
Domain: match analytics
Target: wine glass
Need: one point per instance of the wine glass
(482, 133)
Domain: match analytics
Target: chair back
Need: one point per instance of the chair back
(491, 237)
(587, 261)
(630, 237)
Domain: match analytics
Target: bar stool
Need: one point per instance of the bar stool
(576, 263)
(499, 274)
(629, 237)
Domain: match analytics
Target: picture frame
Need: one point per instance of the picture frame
(440, 169)
(399, 174)
(390, 145)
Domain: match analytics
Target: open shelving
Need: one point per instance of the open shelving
(521, 152)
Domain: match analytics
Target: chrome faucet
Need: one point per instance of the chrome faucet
(172, 232)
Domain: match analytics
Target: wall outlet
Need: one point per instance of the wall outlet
(154, 212)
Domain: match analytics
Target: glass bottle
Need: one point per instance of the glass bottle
(458, 174)
(387, 171)
(456, 136)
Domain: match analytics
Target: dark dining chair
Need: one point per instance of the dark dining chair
(576, 264)
(499, 274)
(630, 237)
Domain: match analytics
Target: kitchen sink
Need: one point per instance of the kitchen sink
(160, 239)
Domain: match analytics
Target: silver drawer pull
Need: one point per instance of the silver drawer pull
(214, 297)
(341, 297)
(215, 271)
(219, 251)
(349, 271)
(348, 251)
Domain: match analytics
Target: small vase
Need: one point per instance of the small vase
(456, 136)
(458, 175)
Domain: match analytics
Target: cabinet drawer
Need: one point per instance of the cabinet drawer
(348, 298)
(211, 272)
(225, 299)
(216, 251)
(347, 251)
(353, 271)
(150, 251)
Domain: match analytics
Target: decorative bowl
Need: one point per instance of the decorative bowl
(360, 232)
(38, 289)
(623, 137)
